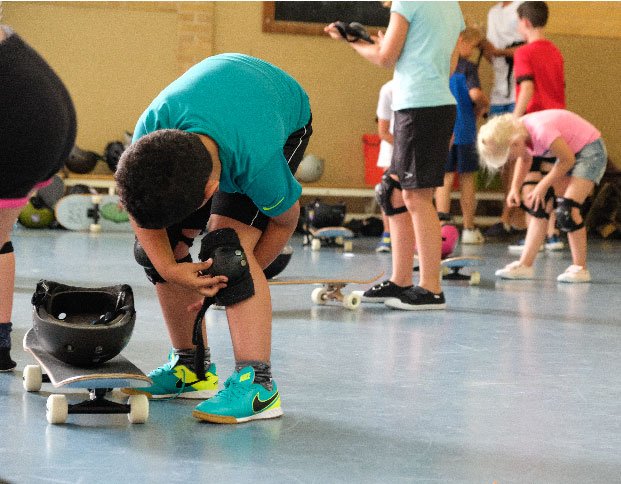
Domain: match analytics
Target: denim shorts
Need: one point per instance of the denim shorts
(591, 161)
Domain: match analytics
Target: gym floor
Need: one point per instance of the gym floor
(517, 381)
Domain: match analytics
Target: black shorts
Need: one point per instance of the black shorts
(237, 206)
(421, 146)
(37, 119)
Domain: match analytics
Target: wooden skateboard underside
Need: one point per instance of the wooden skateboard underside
(291, 280)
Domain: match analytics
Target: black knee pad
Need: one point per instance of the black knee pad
(541, 211)
(229, 259)
(383, 194)
(143, 259)
(564, 220)
(6, 248)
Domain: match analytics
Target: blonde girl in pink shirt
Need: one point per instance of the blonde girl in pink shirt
(580, 164)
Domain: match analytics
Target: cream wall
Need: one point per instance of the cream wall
(116, 56)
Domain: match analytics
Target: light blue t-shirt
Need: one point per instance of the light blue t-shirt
(249, 108)
(423, 68)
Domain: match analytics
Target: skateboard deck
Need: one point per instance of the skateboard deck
(452, 266)
(329, 290)
(330, 236)
(118, 372)
(84, 212)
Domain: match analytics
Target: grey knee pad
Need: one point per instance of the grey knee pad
(564, 220)
(229, 259)
(383, 194)
(6, 248)
(143, 259)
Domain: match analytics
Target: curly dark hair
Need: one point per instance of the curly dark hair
(161, 178)
(535, 12)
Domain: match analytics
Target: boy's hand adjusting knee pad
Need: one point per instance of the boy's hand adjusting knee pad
(229, 259)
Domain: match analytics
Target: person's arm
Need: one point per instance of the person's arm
(387, 47)
(527, 90)
(522, 167)
(157, 247)
(383, 129)
(480, 101)
(278, 232)
(565, 160)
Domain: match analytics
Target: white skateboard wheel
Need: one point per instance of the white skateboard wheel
(352, 301)
(57, 409)
(138, 409)
(475, 278)
(348, 246)
(317, 296)
(96, 199)
(32, 378)
(315, 244)
(95, 228)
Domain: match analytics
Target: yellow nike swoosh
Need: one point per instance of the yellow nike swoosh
(275, 205)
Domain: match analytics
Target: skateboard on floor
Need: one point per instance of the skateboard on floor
(116, 373)
(329, 290)
(329, 236)
(452, 266)
(95, 213)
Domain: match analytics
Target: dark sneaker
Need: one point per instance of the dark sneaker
(502, 231)
(6, 363)
(415, 299)
(380, 292)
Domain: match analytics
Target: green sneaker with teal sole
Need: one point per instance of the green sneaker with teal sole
(177, 380)
(241, 400)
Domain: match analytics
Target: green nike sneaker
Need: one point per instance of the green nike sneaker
(177, 380)
(241, 400)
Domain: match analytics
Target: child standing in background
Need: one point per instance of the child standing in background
(580, 162)
(385, 121)
(463, 160)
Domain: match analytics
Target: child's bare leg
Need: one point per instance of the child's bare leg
(403, 243)
(427, 232)
(7, 285)
(468, 199)
(443, 193)
(535, 235)
(577, 190)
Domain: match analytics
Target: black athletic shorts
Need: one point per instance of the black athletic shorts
(237, 206)
(421, 145)
(37, 119)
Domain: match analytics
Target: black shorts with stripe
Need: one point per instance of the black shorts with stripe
(421, 145)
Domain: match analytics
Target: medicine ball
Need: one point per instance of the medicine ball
(310, 169)
(36, 215)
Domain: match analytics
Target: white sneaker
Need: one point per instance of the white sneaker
(516, 270)
(575, 274)
(472, 236)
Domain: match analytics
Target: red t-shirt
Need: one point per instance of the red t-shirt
(542, 63)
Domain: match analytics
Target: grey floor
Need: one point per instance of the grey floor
(515, 382)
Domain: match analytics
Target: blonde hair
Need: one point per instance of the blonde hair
(472, 35)
(493, 141)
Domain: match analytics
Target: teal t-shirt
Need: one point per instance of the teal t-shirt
(249, 108)
(423, 69)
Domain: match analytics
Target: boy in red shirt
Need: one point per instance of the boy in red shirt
(540, 84)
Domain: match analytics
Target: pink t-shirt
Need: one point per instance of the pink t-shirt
(545, 126)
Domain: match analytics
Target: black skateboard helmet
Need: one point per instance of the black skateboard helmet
(80, 326)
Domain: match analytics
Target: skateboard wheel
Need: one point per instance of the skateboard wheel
(57, 409)
(138, 409)
(348, 246)
(317, 296)
(96, 199)
(339, 240)
(315, 244)
(32, 378)
(475, 278)
(95, 228)
(352, 301)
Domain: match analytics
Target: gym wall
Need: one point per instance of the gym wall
(116, 56)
